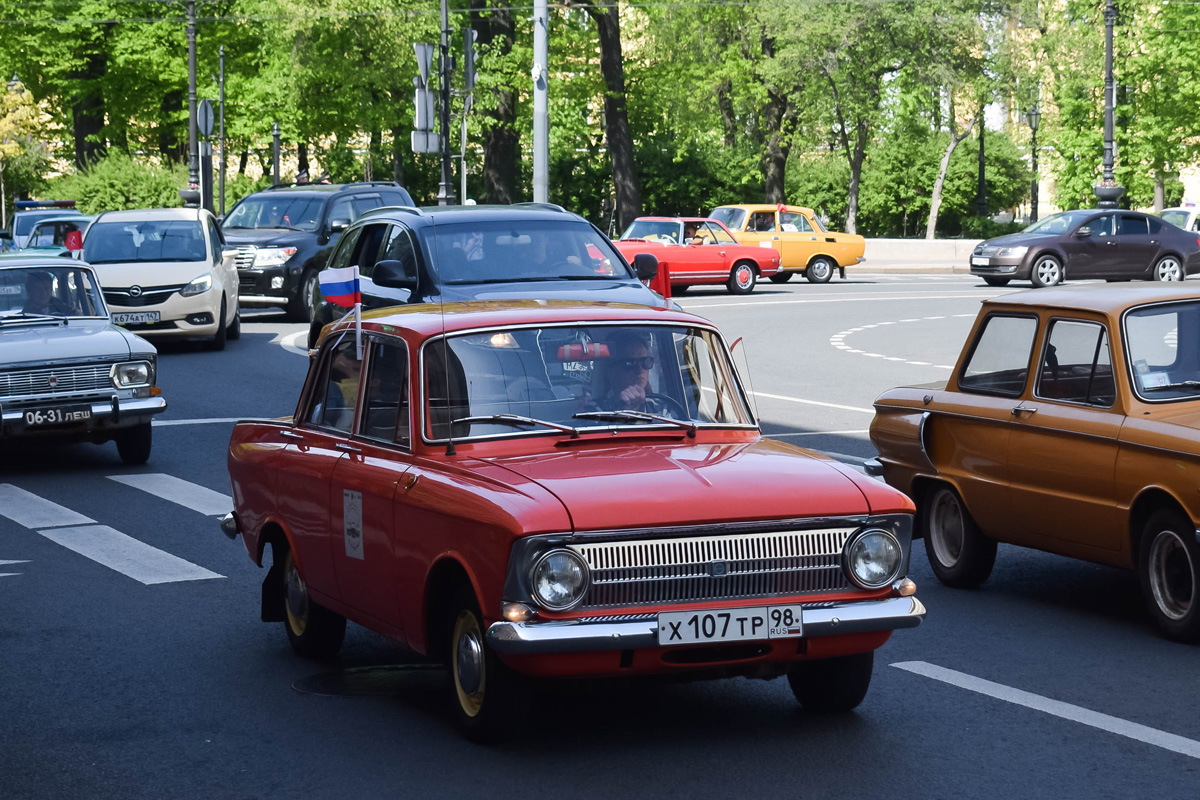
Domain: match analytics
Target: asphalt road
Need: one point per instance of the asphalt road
(1049, 681)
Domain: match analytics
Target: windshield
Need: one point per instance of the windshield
(733, 218)
(653, 230)
(579, 376)
(53, 233)
(507, 251)
(67, 291)
(1162, 343)
(1059, 223)
(144, 240)
(24, 220)
(1177, 217)
(275, 211)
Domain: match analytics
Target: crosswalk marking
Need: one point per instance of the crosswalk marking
(176, 490)
(31, 511)
(113, 549)
(11, 574)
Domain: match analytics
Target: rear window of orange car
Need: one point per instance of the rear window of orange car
(999, 359)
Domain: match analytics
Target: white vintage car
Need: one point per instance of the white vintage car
(66, 371)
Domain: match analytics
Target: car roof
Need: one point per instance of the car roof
(52, 211)
(63, 218)
(428, 320)
(143, 214)
(451, 215)
(18, 260)
(1099, 298)
(768, 207)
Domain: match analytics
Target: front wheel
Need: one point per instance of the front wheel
(489, 699)
(819, 271)
(133, 444)
(299, 308)
(235, 328)
(1168, 268)
(742, 279)
(990, 281)
(222, 334)
(832, 685)
(1047, 271)
(313, 630)
(1168, 563)
(781, 277)
(961, 556)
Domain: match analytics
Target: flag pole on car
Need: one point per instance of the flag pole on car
(340, 286)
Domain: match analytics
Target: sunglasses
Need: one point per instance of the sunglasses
(642, 362)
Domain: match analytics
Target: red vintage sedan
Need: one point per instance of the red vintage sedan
(547, 489)
(699, 251)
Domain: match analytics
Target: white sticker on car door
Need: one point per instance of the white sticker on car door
(352, 528)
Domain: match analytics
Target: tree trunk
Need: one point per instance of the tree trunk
(616, 117)
(87, 111)
(728, 117)
(935, 200)
(1159, 190)
(302, 157)
(856, 162)
(242, 162)
(777, 116)
(501, 142)
(399, 143)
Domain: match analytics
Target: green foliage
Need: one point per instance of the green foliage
(118, 182)
(986, 228)
(239, 186)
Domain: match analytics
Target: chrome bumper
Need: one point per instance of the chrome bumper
(106, 413)
(525, 638)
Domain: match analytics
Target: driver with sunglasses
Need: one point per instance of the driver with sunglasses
(625, 378)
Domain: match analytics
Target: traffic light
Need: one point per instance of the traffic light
(469, 37)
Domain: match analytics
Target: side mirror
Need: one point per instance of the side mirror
(645, 266)
(220, 219)
(393, 274)
(338, 225)
(1083, 232)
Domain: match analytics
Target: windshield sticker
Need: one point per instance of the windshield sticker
(1141, 366)
(1153, 380)
(10, 289)
(352, 523)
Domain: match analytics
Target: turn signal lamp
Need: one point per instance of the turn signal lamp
(906, 588)
(516, 612)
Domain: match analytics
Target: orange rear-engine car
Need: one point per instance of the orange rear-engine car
(1070, 424)
(803, 243)
(529, 490)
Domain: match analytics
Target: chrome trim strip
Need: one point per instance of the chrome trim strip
(573, 636)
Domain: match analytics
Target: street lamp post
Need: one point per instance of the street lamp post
(193, 162)
(1034, 116)
(981, 205)
(1108, 192)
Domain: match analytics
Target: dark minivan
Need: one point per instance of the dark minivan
(458, 253)
(284, 235)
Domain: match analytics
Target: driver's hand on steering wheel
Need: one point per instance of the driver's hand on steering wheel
(634, 397)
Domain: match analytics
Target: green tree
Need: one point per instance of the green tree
(22, 147)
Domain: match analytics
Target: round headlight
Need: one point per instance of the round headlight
(560, 580)
(873, 558)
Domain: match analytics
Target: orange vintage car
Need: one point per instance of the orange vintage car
(803, 243)
(1071, 424)
(542, 489)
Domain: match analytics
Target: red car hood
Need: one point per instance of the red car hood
(658, 484)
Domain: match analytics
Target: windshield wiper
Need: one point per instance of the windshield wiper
(1178, 385)
(518, 421)
(24, 315)
(638, 416)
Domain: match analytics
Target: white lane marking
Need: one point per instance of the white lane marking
(289, 343)
(813, 433)
(852, 299)
(208, 421)
(812, 402)
(176, 490)
(138, 560)
(838, 340)
(6, 563)
(1057, 708)
(11, 574)
(31, 511)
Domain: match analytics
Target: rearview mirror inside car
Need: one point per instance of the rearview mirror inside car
(394, 274)
(645, 266)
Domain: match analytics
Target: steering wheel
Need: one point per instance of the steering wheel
(669, 406)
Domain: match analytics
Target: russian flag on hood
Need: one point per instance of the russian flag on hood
(340, 286)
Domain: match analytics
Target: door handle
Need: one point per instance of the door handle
(720, 252)
(1016, 412)
(349, 448)
(774, 238)
(1111, 244)
(291, 435)
(1154, 241)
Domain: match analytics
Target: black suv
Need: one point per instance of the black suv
(284, 235)
(457, 253)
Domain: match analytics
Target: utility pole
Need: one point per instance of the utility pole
(445, 194)
(1034, 116)
(275, 168)
(981, 197)
(541, 114)
(221, 133)
(193, 161)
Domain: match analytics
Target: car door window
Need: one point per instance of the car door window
(1102, 225)
(999, 358)
(794, 223)
(719, 234)
(367, 245)
(335, 392)
(345, 248)
(216, 240)
(1155, 225)
(763, 222)
(1076, 366)
(1131, 225)
(342, 210)
(399, 247)
(365, 202)
(385, 404)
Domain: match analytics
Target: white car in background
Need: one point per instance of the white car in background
(1182, 217)
(165, 273)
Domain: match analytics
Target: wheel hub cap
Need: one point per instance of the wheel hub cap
(1171, 575)
(946, 530)
(297, 594)
(469, 664)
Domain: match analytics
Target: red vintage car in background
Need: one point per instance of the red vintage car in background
(543, 489)
(699, 251)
